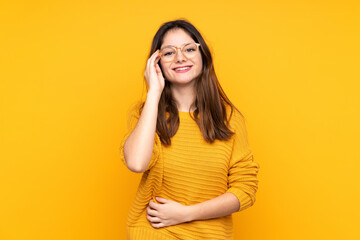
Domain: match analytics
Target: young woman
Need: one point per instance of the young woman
(190, 143)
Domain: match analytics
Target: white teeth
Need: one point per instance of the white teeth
(183, 68)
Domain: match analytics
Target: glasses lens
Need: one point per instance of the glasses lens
(190, 50)
(167, 54)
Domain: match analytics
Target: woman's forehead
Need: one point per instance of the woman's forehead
(176, 37)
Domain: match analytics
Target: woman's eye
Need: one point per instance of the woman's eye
(167, 53)
(190, 50)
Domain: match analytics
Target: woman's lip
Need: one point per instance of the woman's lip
(183, 66)
(185, 70)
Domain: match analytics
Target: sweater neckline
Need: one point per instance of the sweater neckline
(184, 113)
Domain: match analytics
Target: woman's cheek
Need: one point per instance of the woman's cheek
(164, 71)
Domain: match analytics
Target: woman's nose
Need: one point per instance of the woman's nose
(179, 55)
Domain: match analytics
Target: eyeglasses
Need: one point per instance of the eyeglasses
(190, 50)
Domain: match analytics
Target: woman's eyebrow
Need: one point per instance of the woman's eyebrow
(174, 45)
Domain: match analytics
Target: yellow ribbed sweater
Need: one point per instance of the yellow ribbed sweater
(191, 171)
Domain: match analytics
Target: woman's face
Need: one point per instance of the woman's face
(178, 37)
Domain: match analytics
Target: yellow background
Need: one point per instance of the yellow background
(69, 70)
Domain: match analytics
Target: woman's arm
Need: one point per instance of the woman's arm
(220, 206)
(139, 145)
(169, 212)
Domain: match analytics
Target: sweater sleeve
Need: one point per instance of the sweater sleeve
(133, 117)
(242, 174)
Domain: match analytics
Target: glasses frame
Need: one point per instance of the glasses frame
(176, 52)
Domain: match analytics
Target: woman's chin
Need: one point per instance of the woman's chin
(181, 80)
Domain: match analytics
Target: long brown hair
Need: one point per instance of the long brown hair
(210, 110)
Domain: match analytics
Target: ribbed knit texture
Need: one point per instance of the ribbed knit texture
(191, 171)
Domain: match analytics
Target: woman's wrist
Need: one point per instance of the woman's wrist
(191, 213)
(153, 94)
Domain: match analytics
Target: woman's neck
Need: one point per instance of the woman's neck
(184, 97)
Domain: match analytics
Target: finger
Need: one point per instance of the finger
(154, 200)
(153, 205)
(153, 219)
(149, 64)
(158, 225)
(158, 70)
(152, 57)
(151, 212)
(157, 51)
(155, 58)
(161, 200)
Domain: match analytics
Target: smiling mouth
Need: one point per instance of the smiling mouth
(182, 69)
